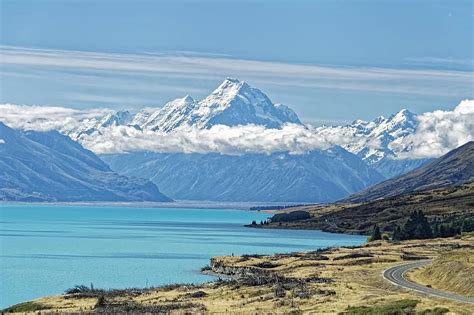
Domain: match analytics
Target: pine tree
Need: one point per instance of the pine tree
(397, 234)
(376, 235)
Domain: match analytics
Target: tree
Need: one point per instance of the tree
(422, 227)
(376, 235)
(417, 227)
(397, 234)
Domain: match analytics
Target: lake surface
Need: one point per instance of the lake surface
(45, 249)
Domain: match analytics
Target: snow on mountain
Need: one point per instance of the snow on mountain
(233, 103)
(91, 125)
(173, 115)
(372, 140)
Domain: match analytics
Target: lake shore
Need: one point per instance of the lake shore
(333, 280)
(195, 204)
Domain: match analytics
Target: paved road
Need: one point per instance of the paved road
(396, 276)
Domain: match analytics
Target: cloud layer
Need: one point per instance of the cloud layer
(195, 67)
(238, 140)
(44, 118)
(437, 133)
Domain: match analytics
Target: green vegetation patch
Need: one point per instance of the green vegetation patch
(290, 216)
(401, 307)
(26, 307)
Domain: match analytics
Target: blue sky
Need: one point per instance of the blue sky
(332, 61)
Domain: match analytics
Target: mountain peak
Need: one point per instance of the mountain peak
(232, 103)
(403, 114)
(230, 88)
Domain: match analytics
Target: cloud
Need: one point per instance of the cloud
(43, 118)
(439, 132)
(295, 139)
(442, 61)
(2, 141)
(198, 67)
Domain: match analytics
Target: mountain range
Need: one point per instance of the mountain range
(48, 166)
(317, 175)
(452, 169)
(232, 103)
(442, 189)
(236, 103)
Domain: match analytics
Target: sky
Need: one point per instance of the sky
(331, 61)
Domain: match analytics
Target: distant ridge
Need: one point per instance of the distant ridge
(48, 166)
(237, 103)
(452, 169)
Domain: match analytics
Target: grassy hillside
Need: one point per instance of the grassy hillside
(453, 272)
(452, 169)
(359, 218)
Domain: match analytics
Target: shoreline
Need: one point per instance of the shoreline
(178, 204)
(328, 280)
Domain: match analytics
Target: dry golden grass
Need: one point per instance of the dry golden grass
(355, 274)
(451, 272)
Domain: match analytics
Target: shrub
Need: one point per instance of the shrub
(397, 307)
(290, 216)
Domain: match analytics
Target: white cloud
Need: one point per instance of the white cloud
(238, 140)
(2, 141)
(215, 67)
(439, 132)
(43, 118)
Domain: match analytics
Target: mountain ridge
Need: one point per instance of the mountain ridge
(454, 168)
(236, 103)
(48, 166)
(318, 176)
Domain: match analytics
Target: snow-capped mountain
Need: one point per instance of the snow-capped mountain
(373, 140)
(233, 103)
(379, 141)
(90, 125)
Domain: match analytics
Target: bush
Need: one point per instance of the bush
(400, 307)
(26, 307)
(290, 216)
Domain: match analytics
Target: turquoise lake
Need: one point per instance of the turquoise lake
(45, 249)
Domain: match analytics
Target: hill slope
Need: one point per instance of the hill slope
(444, 190)
(359, 218)
(454, 168)
(37, 166)
(318, 176)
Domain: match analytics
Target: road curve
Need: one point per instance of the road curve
(396, 275)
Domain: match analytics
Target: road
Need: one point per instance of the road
(396, 275)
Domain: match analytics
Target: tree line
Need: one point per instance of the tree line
(418, 227)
